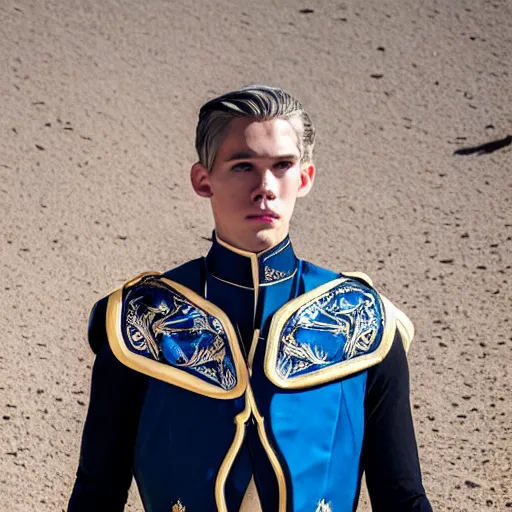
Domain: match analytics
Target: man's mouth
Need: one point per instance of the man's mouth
(263, 216)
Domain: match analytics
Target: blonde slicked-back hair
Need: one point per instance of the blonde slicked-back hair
(258, 102)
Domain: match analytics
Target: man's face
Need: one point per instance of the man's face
(254, 183)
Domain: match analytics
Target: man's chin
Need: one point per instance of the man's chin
(267, 238)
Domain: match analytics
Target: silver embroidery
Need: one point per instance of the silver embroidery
(323, 506)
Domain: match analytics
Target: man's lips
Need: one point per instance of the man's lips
(265, 216)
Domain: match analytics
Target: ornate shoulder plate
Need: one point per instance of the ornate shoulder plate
(338, 329)
(167, 331)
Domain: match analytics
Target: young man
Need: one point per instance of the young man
(250, 365)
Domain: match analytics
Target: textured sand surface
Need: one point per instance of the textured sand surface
(98, 104)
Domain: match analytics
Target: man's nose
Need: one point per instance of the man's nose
(266, 187)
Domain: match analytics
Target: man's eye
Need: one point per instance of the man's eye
(284, 164)
(242, 166)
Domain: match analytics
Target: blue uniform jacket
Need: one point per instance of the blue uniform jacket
(264, 391)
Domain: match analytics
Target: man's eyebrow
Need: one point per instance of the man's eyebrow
(244, 155)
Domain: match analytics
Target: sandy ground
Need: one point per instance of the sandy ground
(98, 104)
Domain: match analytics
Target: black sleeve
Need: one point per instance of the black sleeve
(390, 454)
(105, 468)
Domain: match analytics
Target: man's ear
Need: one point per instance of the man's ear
(200, 178)
(307, 177)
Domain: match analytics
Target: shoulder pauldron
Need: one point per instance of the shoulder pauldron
(165, 330)
(333, 331)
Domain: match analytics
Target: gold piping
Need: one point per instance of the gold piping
(281, 481)
(254, 268)
(252, 350)
(167, 373)
(240, 420)
(405, 327)
(220, 483)
(248, 254)
(139, 278)
(232, 284)
(256, 283)
(234, 249)
(336, 371)
(359, 275)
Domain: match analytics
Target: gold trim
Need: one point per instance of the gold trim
(249, 254)
(360, 275)
(232, 284)
(252, 350)
(240, 420)
(256, 284)
(220, 483)
(272, 457)
(137, 279)
(178, 507)
(405, 327)
(234, 249)
(254, 267)
(166, 372)
(337, 371)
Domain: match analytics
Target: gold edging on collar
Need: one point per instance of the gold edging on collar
(334, 372)
(254, 267)
(249, 254)
(162, 371)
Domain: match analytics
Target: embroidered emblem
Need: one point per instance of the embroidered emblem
(178, 507)
(344, 323)
(272, 274)
(323, 507)
(161, 324)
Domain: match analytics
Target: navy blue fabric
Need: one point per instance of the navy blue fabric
(106, 457)
(390, 456)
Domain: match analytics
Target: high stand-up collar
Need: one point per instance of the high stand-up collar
(245, 269)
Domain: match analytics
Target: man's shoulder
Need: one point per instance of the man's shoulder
(189, 274)
(316, 274)
(310, 269)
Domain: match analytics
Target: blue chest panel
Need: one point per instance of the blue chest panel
(316, 425)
